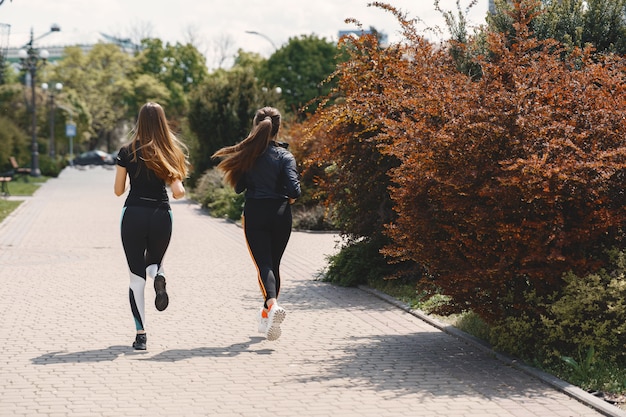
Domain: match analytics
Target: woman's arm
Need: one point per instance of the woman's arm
(178, 190)
(120, 181)
(291, 174)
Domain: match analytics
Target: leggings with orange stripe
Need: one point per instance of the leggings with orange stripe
(267, 226)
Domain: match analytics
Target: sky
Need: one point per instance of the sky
(208, 24)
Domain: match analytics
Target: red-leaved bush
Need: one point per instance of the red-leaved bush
(499, 183)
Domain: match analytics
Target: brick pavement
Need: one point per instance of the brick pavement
(66, 329)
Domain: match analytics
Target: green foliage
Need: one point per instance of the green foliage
(221, 112)
(24, 186)
(582, 368)
(221, 201)
(100, 80)
(463, 51)
(7, 207)
(171, 71)
(357, 263)
(591, 312)
(575, 23)
(13, 142)
(520, 336)
(145, 88)
(299, 68)
(588, 314)
(206, 186)
(471, 323)
(51, 167)
(227, 204)
(13, 107)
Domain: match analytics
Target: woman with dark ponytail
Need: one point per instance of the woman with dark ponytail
(266, 171)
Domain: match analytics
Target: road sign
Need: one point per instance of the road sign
(70, 130)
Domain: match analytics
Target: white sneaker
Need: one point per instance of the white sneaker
(262, 321)
(275, 317)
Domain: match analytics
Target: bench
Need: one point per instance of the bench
(5, 185)
(18, 170)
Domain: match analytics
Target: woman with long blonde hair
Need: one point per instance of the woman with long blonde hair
(266, 171)
(154, 158)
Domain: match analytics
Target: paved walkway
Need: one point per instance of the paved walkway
(66, 329)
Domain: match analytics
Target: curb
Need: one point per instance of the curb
(563, 386)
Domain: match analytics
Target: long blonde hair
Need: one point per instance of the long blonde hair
(239, 158)
(161, 150)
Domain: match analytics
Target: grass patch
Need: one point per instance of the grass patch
(25, 187)
(7, 207)
(19, 187)
(468, 322)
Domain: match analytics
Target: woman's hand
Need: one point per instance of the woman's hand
(178, 190)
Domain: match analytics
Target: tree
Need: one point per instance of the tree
(178, 68)
(576, 23)
(300, 68)
(100, 79)
(222, 108)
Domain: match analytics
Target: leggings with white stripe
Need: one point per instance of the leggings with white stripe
(146, 233)
(267, 225)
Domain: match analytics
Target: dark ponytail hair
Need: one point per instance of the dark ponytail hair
(239, 158)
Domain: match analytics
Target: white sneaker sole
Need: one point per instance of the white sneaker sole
(262, 322)
(276, 317)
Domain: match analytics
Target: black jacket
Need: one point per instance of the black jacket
(273, 175)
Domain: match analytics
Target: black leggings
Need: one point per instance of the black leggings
(146, 234)
(267, 225)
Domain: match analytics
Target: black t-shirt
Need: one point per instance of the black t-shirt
(146, 189)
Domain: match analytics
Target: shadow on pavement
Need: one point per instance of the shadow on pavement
(236, 349)
(97, 355)
(420, 363)
(112, 352)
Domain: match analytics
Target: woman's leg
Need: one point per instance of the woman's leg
(145, 234)
(159, 235)
(259, 227)
(134, 230)
(259, 240)
(281, 231)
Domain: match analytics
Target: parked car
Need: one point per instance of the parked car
(94, 158)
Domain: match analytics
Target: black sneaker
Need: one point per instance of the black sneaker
(162, 300)
(140, 342)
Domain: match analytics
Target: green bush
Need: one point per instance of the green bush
(205, 187)
(591, 313)
(520, 336)
(221, 201)
(588, 314)
(51, 167)
(358, 263)
(226, 203)
(13, 142)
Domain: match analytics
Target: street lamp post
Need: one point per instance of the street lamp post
(57, 89)
(30, 59)
(267, 38)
